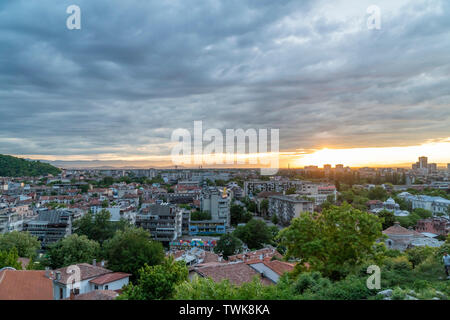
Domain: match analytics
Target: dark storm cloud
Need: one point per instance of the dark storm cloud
(139, 69)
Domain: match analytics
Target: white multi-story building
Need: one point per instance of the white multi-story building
(288, 207)
(254, 186)
(437, 205)
(164, 221)
(217, 203)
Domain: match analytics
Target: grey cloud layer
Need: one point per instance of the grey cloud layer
(139, 69)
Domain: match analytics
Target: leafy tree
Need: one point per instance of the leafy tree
(228, 245)
(156, 282)
(10, 258)
(359, 202)
(275, 219)
(409, 221)
(200, 215)
(205, 289)
(332, 240)
(388, 218)
(251, 206)
(131, 249)
(236, 214)
(254, 234)
(84, 188)
(417, 255)
(26, 244)
(107, 182)
(98, 227)
(17, 167)
(264, 206)
(378, 193)
(72, 250)
(423, 213)
(291, 190)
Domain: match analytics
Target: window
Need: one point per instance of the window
(61, 293)
(106, 287)
(96, 287)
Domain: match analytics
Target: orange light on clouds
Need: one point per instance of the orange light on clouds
(438, 152)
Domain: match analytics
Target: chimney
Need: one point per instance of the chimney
(58, 275)
(261, 257)
(94, 262)
(103, 263)
(47, 272)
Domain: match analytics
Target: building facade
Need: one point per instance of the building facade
(288, 207)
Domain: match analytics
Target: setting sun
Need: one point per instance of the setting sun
(356, 157)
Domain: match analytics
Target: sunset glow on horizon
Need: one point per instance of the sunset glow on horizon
(438, 152)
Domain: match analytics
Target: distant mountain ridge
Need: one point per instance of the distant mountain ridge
(17, 167)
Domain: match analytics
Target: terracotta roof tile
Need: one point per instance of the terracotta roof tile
(236, 273)
(109, 277)
(25, 285)
(87, 270)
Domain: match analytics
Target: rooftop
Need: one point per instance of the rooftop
(25, 285)
(87, 270)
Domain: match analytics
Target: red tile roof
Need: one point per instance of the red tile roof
(110, 277)
(276, 266)
(236, 273)
(396, 229)
(25, 285)
(87, 270)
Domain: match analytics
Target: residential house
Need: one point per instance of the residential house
(84, 278)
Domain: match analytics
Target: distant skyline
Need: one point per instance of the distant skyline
(363, 157)
(137, 70)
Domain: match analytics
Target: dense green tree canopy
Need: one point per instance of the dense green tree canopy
(10, 258)
(254, 234)
(238, 214)
(200, 215)
(388, 218)
(228, 245)
(129, 250)
(26, 244)
(157, 282)
(72, 250)
(98, 226)
(332, 240)
(17, 167)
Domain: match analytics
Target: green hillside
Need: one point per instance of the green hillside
(16, 167)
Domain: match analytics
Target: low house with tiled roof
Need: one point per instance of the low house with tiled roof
(268, 252)
(25, 285)
(400, 238)
(271, 269)
(237, 273)
(83, 278)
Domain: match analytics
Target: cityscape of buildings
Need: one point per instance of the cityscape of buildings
(47, 208)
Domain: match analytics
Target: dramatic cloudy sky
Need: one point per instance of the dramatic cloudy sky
(138, 69)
